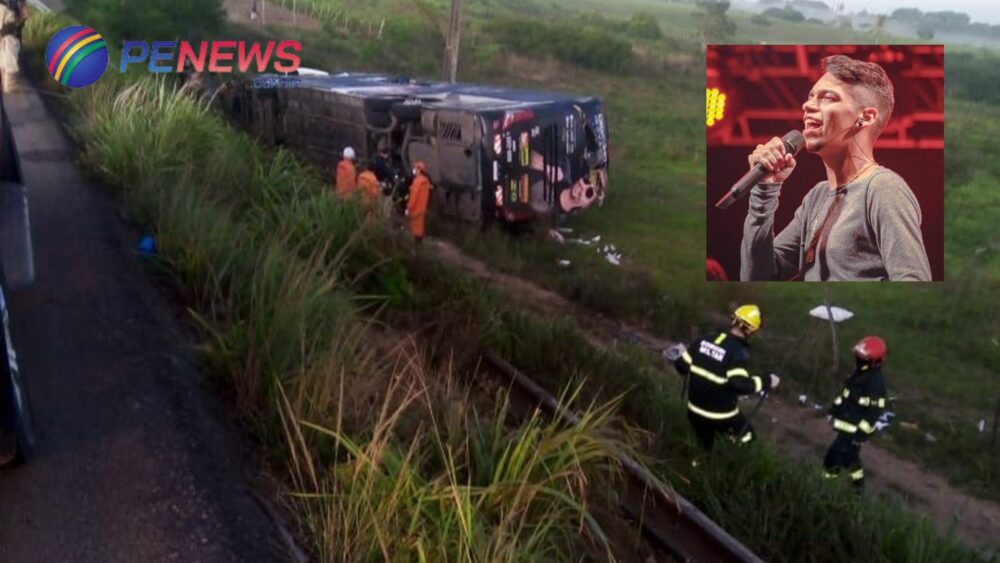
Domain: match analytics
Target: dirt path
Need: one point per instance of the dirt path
(798, 429)
(137, 458)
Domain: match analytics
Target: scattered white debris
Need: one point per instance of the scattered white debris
(596, 239)
(802, 399)
(909, 425)
(579, 241)
(611, 254)
(885, 420)
(774, 420)
(930, 437)
(817, 407)
(823, 312)
(565, 230)
(557, 236)
(564, 263)
(982, 425)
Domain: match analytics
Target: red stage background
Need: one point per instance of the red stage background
(764, 88)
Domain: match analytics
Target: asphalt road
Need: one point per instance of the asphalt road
(138, 460)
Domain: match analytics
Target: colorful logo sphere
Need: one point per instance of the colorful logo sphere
(76, 56)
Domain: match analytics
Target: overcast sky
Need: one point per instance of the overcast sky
(987, 11)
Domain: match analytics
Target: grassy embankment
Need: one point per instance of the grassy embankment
(386, 457)
(654, 212)
(293, 323)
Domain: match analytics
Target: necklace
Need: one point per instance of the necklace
(859, 173)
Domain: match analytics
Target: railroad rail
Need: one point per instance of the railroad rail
(667, 519)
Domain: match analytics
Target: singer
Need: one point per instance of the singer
(863, 221)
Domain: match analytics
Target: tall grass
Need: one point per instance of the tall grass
(458, 487)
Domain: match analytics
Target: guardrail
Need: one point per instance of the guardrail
(666, 517)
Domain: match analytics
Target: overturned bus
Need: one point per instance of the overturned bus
(492, 152)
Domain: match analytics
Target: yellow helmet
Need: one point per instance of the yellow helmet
(748, 317)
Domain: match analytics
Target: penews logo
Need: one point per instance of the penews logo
(76, 56)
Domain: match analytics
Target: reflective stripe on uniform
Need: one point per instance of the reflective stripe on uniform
(865, 427)
(708, 375)
(847, 393)
(881, 403)
(758, 384)
(738, 372)
(713, 415)
(844, 425)
(857, 475)
(837, 401)
(687, 357)
(720, 338)
(829, 475)
(864, 401)
(748, 437)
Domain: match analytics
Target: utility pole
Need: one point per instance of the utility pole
(453, 40)
(833, 332)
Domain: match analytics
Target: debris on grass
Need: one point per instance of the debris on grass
(147, 246)
(611, 254)
(824, 312)
(885, 420)
(564, 263)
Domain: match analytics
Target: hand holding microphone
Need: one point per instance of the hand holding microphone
(775, 159)
(771, 162)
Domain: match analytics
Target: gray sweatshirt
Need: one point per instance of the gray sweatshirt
(873, 235)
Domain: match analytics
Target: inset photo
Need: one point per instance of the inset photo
(825, 162)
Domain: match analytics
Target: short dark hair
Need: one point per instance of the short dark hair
(869, 83)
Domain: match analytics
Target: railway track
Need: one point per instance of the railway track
(666, 518)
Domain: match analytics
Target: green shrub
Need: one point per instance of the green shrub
(787, 13)
(644, 26)
(150, 20)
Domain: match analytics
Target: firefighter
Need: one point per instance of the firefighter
(856, 410)
(716, 366)
(347, 176)
(420, 195)
(369, 187)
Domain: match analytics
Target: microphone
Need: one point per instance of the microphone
(793, 140)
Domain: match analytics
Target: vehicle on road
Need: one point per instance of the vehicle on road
(16, 271)
(492, 153)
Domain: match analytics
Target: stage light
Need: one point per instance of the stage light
(715, 106)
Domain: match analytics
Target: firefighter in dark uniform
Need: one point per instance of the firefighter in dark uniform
(856, 410)
(716, 366)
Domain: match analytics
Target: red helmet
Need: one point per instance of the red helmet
(870, 349)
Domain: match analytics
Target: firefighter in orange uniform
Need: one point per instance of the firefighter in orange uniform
(420, 195)
(369, 187)
(347, 177)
